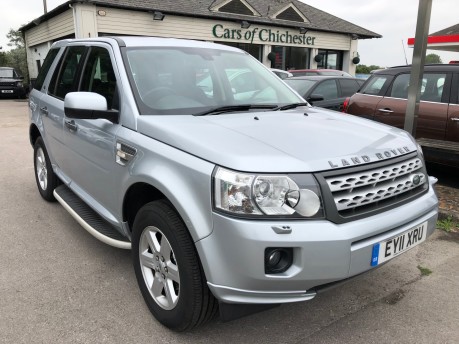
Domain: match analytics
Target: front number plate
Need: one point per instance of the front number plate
(386, 250)
(7, 91)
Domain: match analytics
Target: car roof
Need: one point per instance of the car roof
(428, 67)
(319, 77)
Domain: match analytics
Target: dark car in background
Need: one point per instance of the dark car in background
(11, 83)
(310, 72)
(325, 91)
(383, 98)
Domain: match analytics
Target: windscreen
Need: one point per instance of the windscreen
(190, 80)
(6, 73)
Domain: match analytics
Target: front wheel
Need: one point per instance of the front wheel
(168, 270)
(44, 175)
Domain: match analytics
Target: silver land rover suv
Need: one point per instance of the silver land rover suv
(234, 193)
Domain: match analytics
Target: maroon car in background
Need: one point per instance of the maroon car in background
(383, 98)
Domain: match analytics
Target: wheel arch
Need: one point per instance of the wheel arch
(34, 134)
(136, 197)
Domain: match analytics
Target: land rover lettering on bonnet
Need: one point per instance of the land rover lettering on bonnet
(229, 189)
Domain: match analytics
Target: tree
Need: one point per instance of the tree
(17, 56)
(16, 39)
(363, 69)
(433, 58)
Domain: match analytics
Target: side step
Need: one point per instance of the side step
(89, 219)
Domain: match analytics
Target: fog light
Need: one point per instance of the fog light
(278, 259)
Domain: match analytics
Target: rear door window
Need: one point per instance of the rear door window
(38, 84)
(328, 89)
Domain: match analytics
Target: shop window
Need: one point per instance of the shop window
(237, 7)
(331, 59)
(291, 57)
(256, 50)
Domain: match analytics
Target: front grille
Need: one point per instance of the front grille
(368, 190)
(7, 84)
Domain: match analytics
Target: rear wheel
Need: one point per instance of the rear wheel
(168, 270)
(44, 175)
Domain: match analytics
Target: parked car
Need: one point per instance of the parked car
(325, 91)
(229, 198)
(11, 83)
(309, 72)
(383, 98)
(281, 73)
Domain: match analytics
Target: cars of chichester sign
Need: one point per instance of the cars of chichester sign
(264, 35)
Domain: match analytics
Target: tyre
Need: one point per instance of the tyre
(44, 176)
(168, 270)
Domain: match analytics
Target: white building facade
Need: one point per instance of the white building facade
(281, 34)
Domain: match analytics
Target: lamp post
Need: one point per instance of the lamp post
(45, 7)
(417, 66)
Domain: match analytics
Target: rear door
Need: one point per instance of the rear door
(433, 108)
(62, 81)
(452, 125)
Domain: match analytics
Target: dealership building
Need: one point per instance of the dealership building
(283, 34)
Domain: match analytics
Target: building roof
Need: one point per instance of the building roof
(446, 39)
(265, 11)
(452, 30)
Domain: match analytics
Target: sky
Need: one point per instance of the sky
(395, 20)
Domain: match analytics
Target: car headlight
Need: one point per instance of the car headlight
(258, 195)
(19, 84)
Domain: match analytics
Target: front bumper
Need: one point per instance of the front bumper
(324, 252)
(12, 91)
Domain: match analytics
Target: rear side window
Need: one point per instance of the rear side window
(63, 80)
(45, 69)
(348, 87)
(431, 87)
(375, 85)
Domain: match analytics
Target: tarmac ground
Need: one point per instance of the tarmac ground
(58, 284)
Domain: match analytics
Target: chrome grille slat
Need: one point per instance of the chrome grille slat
(354, 190)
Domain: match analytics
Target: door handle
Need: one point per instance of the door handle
(455, 119)
(71, 125)
(44, 111)
(385, 110)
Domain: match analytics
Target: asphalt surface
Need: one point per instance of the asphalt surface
(58, 284)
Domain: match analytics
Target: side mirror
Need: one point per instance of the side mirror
(315, 98)
(88, 105)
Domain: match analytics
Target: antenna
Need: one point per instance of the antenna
(404, 52)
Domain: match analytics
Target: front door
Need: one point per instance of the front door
(90, 144)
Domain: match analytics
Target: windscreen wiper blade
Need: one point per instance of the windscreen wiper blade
(289, 106)
(233, 108)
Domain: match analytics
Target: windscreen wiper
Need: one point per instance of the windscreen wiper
(233, 108)
(289, 106)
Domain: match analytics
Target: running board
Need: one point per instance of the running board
(89, 219)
